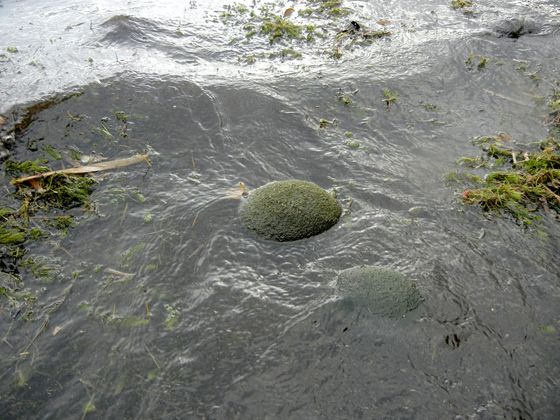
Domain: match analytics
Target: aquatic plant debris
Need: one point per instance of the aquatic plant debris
(81, 170)
(464, 5)
(523, 179)
(390, 98)
(526, 181)
(304, 22)
(39, 194)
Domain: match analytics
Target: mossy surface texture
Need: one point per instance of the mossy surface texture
(383, 292)
(290, 210)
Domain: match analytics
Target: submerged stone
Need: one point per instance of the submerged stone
(290, 210)
(384, 292)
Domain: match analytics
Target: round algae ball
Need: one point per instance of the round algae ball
(290, 210)
(384, 292)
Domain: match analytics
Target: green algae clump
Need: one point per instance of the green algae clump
(383, 292)
(290, 210)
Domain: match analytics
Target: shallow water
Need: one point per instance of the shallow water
(213, 322)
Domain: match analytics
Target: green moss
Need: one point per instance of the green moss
(352, 144)
(62, 223)
(52, 152)
(461, 4)
(289, 210)
(554, 115)
(104, 131)
(89, 408)
(171, 316)
(121, 116)
(14, 297)
(286, 53)
(58, 191)
(152, 375)
(336, 53)
(12, 235)
(547, 329)
(471, 162)
(250, 59)
(232, 11)
(148, 217)
(36, 234)
(482, 62)
(32, 167)
(12, 50)
(390, 97)
(529, 181)
(383, 292)
(331, 7)
(6, 212)
(278, 28)
(150, 268)
(41, 267)
(128, 256)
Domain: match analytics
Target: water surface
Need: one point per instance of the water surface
(163, 306)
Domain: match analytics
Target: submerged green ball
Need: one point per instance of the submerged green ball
(290, 210)
(384, 292)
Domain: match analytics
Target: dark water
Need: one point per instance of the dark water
(213, 322)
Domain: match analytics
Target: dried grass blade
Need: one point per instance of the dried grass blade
(80, 170)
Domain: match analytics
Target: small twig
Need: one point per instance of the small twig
(153, 357)
(118, 273)
(515, 101)
(39, 331)
(552, 193)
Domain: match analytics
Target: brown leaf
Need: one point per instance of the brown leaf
(289, 11)
(36, 185)
(505, 137)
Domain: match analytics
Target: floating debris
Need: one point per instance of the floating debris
(390, 98)
(81, 170)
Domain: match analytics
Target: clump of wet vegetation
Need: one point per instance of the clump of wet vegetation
(390, 98)
(478, 62)
(36, 219)
(518, 180)
(281, 27)
(464, 5)
(265, 22)
(41, 204)
(277, 28)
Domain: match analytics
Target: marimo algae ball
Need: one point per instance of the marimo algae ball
(382, 291)
(290, 210)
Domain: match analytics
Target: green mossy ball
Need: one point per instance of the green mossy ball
(289, 210)
(384, 292)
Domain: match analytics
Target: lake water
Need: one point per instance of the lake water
(160, 305)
